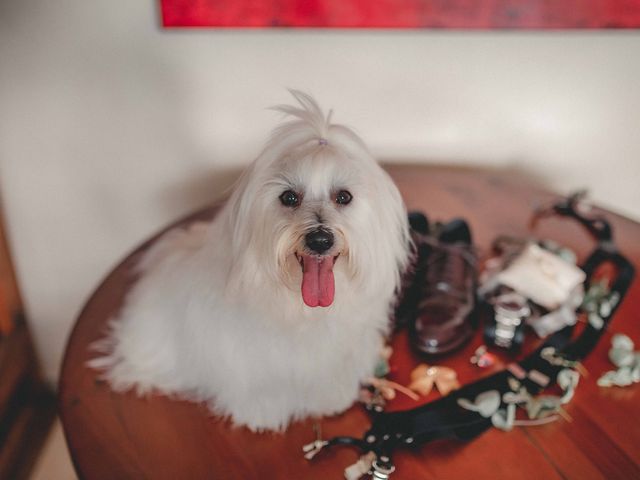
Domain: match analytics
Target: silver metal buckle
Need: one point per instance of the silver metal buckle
(510, 311)
(381, 473)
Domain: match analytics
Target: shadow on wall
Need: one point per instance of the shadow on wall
(202, 189)
(94, 121)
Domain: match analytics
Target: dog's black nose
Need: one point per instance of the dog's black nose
(319, 241)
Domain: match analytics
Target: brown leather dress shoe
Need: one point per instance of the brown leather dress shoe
(445, 317)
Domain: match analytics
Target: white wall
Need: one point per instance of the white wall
(111, 127)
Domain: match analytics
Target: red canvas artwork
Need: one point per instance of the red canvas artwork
(461, 14)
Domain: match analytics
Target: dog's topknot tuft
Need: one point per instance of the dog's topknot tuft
(308, 114)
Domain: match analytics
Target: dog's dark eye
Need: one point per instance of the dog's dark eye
(290, 199)
(343, 197)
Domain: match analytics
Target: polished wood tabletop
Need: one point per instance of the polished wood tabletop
(120, 436)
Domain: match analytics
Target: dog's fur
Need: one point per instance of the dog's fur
(217, 314)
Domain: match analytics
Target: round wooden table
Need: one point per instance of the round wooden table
(120, 436)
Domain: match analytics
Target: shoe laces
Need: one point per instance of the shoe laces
(447, 267)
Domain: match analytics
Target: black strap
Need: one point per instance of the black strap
(445, 419)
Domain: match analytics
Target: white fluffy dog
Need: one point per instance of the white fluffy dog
(275, 310)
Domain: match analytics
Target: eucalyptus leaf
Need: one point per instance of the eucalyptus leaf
(622, 341)
(595, 320)
(619, 378)
(621, 357)
(504, 418)
(486, 403)
(568, 381)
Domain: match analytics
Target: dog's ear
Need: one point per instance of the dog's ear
(237, 228)
(387, 257)
(239, 209)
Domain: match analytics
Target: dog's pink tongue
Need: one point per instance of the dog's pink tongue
(318, 287)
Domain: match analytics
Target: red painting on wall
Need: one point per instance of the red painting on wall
(459, 14)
